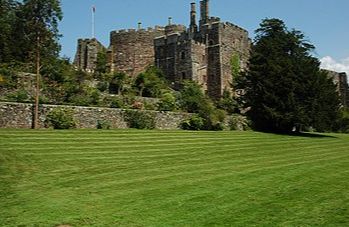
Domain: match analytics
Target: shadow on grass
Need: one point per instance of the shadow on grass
(307, 135)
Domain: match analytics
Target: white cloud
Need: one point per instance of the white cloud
(338, 66)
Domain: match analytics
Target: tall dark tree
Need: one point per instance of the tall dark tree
(8, 20)
(285, 88)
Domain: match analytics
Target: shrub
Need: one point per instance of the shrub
(102, 86)
(167, 102)
(140, 120)
(61, 119)
(117, 103)
(149, 105)
(194, 123)
(18, 96)
(239, 122)
(103, 124)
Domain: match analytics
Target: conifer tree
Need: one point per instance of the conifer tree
(285, 88)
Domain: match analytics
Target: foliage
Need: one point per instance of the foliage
(148, 105)
(102, 86)
(86, 96)
(193, 100)
(194, 123)
(101, 64)
(8, 77)
(228, 103)
(18, 96)
(167, 102)
(191, 97)
(284, 86)
(238, 122)
(235, 66)
(150, 83)
(140, 119)
(117, 103)
(61, 119)
(342, 124)
(117, 83)
(103, 124)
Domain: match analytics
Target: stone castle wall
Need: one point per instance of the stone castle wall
(341, 81)
(20, 115)
(132, 51)
(86, 54)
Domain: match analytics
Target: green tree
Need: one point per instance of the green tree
(40, 19)
(284, 85)
(8, 19)
(193, 100)
(151, 82)
(118, 82)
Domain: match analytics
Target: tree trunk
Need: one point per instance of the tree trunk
(37, 89)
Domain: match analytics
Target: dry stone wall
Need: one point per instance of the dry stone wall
(20, 115)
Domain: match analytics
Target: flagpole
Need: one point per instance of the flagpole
(93, 21)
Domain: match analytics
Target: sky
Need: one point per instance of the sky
(324, 22)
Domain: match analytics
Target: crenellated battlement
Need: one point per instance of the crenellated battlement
(142, 30)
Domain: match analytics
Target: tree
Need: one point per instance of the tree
(284, 85)
(41, 30)
(151, 82)
(7, 22)
(193, 100)
(118, 82)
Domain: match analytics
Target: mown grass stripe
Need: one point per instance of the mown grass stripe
(155, 178)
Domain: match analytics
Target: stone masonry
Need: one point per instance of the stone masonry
(201, 53)
(20, 115)
(340, 80)
(86, 55)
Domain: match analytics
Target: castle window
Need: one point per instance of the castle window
(211, 42)
(183, 76)
(182, 55)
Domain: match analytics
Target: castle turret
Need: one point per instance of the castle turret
(204, 11)
(193, 26)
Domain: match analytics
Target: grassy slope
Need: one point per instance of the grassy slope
(143, 178)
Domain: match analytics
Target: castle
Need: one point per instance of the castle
(201, 53)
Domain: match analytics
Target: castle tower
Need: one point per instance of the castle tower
(204, 11)
(193, 26)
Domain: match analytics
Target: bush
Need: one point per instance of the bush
(117, 103)
(18, 96)
(149, 105)
(167, 102)
(61, 119)
(194, 123)
(102, 86)
(103, 124)
(239, 122)
(140, 119)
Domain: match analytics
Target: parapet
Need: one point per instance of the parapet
(225, 24)
(132, 30)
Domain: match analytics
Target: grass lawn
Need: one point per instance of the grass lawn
(172, 178)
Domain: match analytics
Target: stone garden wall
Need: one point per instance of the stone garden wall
(20, 115)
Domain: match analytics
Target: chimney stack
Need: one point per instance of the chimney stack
(204, 8)
(193, 26)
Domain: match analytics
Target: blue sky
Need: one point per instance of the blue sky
(324, 22)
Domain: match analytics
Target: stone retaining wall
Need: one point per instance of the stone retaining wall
(20, 115)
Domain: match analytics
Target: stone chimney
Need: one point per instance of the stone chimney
(193, 26)
(204, 9)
